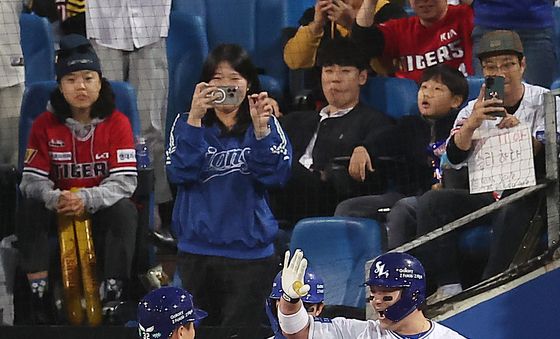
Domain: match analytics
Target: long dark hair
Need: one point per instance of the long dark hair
(240, 61)
(101, 108)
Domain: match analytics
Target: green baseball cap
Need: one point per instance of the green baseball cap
(499, 42)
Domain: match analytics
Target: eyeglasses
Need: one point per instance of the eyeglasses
(504, 68)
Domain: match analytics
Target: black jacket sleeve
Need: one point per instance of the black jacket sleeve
(388, 12)
(454, 153)
(370, 39)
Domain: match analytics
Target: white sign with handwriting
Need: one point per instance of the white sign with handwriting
(501, 159)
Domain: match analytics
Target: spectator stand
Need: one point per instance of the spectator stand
(255, 25)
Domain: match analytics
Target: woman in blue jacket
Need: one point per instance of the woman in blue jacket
(223, 157)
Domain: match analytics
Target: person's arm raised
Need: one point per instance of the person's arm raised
(293, 319)
(365, 15)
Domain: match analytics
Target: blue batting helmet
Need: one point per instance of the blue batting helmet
(400, 270)
(163, 310)
(316, 292)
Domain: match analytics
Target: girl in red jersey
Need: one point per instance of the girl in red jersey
(81, 141)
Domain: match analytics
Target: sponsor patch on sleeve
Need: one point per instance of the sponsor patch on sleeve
(29, 155)
(126, 155)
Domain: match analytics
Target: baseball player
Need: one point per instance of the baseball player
(312, 301)
(397, 283)
(168, 313)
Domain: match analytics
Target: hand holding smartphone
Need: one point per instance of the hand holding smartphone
(494, 90)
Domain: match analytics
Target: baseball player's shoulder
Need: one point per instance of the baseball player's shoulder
(337, 328)
(440, 332)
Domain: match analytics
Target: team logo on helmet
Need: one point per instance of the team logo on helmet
(380, 270)
(148, 333)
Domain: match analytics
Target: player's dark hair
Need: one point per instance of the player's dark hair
(240, 61)
(101, 108)
(342, 52)
(450, 77)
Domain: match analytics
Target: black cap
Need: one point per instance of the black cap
(76, 54)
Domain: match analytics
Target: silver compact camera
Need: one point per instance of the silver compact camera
(227, 95)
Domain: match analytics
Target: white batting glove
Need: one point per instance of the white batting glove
(292, 277)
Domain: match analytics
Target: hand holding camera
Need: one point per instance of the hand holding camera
(341, 13)
(320, 17)
(201, 102)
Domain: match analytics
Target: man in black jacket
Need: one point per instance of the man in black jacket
(323, 141)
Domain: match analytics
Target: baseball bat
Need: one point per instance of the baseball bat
(72, 289)
(77, 255)
(90, 285)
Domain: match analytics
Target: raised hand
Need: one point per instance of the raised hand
(320, 17)
(341, 13)
(482, 109)
(201, 102)
(261, 108)
(293, 274)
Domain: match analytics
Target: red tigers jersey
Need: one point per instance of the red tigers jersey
(417, 47)
(54, 152)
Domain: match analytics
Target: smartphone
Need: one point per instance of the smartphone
(494, 89)
(227, 95)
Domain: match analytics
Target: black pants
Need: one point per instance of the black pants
(437, 208)
(232, 291)
(114, 236)
(509, 225)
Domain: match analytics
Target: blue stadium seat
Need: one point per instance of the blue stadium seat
(556, 13)
(296, 9)
(37, 45)
(474, 86)
(474, 242)
(338, 248)
(187, 48)
(36, 96)
(254, 24)
(555, 84)
(395, 97)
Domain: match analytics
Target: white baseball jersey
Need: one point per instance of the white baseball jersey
(342, 328)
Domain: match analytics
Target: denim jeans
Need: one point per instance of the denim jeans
(540, 54)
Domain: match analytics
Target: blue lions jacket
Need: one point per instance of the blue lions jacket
(221, 207)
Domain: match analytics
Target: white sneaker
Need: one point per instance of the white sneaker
(444, 292)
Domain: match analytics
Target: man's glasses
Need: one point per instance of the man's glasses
(506, 67)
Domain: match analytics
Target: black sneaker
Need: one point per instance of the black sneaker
(42, 309)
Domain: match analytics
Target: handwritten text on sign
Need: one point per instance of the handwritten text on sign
(502, 159)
